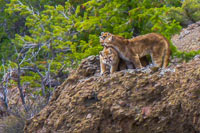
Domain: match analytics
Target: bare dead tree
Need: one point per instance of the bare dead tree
(20, 87)
(4, 84)
(48, 79)
(21, 56)
(45, 78)
(42, 80)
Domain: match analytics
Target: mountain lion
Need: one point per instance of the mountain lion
(156, 45)
(109, 57)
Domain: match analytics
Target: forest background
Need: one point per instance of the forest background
(41, 41)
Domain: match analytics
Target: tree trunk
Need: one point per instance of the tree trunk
(20, 87)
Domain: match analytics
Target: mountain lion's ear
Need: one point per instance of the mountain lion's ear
(102, 33)
(101, 40)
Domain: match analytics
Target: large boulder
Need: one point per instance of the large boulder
(188, 39)
(128, 101)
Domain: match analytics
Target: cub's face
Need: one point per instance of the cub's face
(109, 56)
(106, 38)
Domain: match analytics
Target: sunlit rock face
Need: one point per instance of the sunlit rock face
(188, 39)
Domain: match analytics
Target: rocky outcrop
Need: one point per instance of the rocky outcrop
(129, 101)
(188, 39)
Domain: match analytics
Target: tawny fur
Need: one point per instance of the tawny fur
(122, 64)
(109, 57)
(132, 50)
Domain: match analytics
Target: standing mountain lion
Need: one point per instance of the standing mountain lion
(156, 45)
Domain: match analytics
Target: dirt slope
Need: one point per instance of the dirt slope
(124, 102)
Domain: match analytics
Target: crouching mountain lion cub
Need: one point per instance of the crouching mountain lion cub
(109, 57)
(133, 49)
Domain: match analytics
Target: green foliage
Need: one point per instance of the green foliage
(60, 33)
(76, 25)
(187, 13)
(179, 15)
(192, 9)
(186, 55)
(154, 20)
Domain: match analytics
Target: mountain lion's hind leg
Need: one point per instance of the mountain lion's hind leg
(157, 60)
(136, 61)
